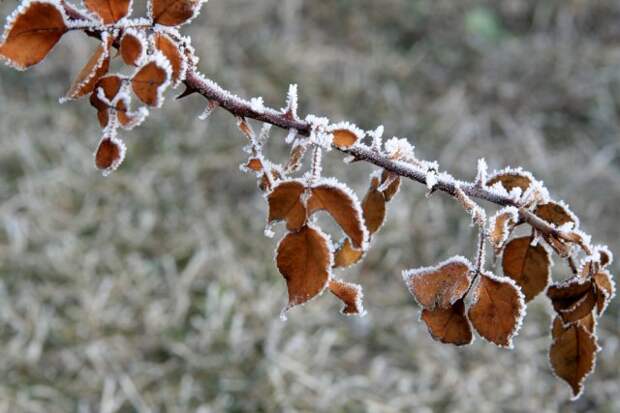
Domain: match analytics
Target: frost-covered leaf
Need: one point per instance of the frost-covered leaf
(449, 325)
(342, 204)
(173, 53)
(110, 154)
(390, 184)
(440, 286)
(96, 67)
(374, 208)
(497, 309)
(110, 87)
(110, 11)
(31, 32)
(556, 213)
(286, 204)
(174, 12)
(350, 294)
(529, 265)
(254, 164)
(510, 179)
(304, 259)
(345, 135)
(296, 157)
(573, 354)
(151, 80)
(605, 290)
(133, 47)
(126, 118)
(572, 299)
(501, 225)
(345, 255)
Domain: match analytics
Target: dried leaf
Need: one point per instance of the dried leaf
(31, 33)
(440, 286)
(605, 290)
(449, 325)
(350, 294)
(173, 53)
(344, 207)
(110, 11)
(573, 355)
(110, 154)
(111, 86)
(572, 299)
(511, 179)
(286, 204)
(394, 184)
(528, 265)
(174, 12)
(132, 48)
(346, 255)
(344, 138)
(556, 213)
(304, 259)
(150, 81)
(501, 225)
(497, 309)
(374, 208)
(96, 67)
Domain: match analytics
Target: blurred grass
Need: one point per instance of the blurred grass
(155, 290)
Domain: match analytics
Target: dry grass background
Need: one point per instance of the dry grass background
(154, 289)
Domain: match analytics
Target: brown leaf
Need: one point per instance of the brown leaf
(573, 354)
(174, 12)
(254, 164)
(497, 309)
(32, 33)
(344, 138)
(111, 86)
(572, 299)
(173, 53)
(126, 118)
(373, 207)
(96, 67)
(346, 255)
(440, 286)
(394, 186)
(304, 259)
(558, 327)
(449, 325)
(605, 290)
(110, 11)
(344, 207)
(556, 213)
(350, 294)
(110, 154)
(132, 48)
(510, 179)
(528, 265)
(501, 225)
(150, 81)
(286, 204)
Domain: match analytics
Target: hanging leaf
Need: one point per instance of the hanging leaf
(528, 265)
(286, 204)
(440, 286)
(374, 208)
(346, 255)
(133, 47)
(174, 12)
(304, 259)
(126, 118)
(110, 11)
(573, 354)
(511, 179)
(31, 32)
(572, 299)
(350, 294)
(110, 154)
(449, 325)
(173, 53)
(111, 86)
(497, 309)
(343, 206)
(605, 290)
(393, 184)
(501, 225)
(557, 214)
(150, 81)
(96, 67)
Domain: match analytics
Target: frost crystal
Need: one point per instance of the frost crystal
(290, 137)
(377, 138)
(257, 105)
(292, 102)
(400, 149)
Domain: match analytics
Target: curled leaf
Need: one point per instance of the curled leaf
(31, 33)
(528, 265)
(572, 299)
(556, 213)
(96, 67)
(110, 11)
(346, 255)
(510, 179)
(497, 309)
(449, 325)
(174, 12)
(173, 53)
(304, 259)
(110, 87)
(501, 225)
(350, 294)
(286, 204)
(605, 290)
(150, 81)
(440, 286)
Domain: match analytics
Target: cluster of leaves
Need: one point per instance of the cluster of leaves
(457, 296)
(152, 48)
